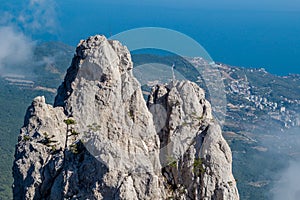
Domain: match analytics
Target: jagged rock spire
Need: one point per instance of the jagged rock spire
(100, 141)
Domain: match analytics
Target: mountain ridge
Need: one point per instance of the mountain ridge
(245, 138)
(99, 139)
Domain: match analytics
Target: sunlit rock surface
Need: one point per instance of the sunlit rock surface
(100, 141)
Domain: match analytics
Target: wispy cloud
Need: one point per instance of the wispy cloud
(6, 18)
(17, 26)
(15, 47)
(39, 16)
(286, 147)
(288, 187)
(279, 160)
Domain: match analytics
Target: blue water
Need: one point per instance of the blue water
(241, 37)
(269, 39)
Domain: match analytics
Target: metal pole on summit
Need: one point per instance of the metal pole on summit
(173, 74)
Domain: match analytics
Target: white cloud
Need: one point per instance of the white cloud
(15, 47)
(288, 188)
(18, 24)
(39, 16)
(6, 17)
(286, 146)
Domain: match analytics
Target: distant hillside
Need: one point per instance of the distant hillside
(261, 122)
(262, 110)
(41, 77)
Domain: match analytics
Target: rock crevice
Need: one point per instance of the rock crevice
(101, 141)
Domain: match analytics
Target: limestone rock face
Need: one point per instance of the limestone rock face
(119, 158)
(100, 141)
(196, 159)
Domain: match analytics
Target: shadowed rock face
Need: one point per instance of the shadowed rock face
(112, 146)
(196, 159)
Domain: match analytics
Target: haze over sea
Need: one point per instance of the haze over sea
(250, 34)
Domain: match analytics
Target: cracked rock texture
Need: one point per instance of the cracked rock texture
(100, 140)
(195, 157)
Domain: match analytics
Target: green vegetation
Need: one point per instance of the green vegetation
(49, 143)
(255, 172)
(69, 121)
(74, 148)
(53, 149)
(185, 124)
(198, 167)
(131, 114)
(74, 133)
(26, 137)
(172, 162)
(51, 73)
(71, 132)
(94, 127)
(13, 104)
(14, 101)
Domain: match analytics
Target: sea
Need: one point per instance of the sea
(267, 39)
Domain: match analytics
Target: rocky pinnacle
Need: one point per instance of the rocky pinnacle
(101, 140)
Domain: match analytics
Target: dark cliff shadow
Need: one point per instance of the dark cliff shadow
(65, 89)
(78, 176)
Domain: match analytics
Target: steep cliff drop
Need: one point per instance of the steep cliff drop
(101, 141)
